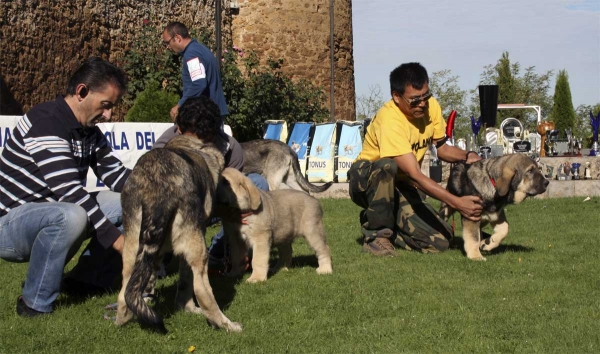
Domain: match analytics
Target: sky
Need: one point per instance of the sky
(464, 36)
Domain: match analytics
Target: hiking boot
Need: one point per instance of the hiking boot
(25, 311)
(380, 245)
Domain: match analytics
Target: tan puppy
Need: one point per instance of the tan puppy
(258, 219)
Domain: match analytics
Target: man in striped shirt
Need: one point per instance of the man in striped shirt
(45, 212)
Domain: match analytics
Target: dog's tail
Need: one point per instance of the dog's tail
(153, 229)
(303, 182)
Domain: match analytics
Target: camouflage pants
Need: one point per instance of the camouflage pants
(389, 203)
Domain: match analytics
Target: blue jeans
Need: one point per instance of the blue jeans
(217, 245)
(46, 235)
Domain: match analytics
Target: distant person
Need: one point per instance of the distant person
(200, 70)
(45, 212)
(386, 177)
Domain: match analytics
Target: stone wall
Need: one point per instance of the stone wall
(43, 41)
(299, 32)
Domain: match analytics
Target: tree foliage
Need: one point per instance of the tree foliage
(259, 93)
(368, 105)
(528, 88)
(448, 93)
(152, 105)
(563, 113)
(254, 93)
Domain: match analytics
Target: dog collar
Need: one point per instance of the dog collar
(493, 182)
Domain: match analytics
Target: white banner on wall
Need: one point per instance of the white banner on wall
(129, 141)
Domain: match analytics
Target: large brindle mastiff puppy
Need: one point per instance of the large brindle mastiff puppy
(167, 202)
(498, 181)
(260, 219)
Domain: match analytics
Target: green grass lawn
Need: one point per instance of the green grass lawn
(538, 293)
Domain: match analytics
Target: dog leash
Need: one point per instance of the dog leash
(112, 308)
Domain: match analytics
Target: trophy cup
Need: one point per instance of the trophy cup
(475, 127)
(595, 122)
(587, 174)
(575, 170)
(542, 128)
(570, 142)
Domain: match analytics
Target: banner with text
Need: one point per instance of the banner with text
(128, 140)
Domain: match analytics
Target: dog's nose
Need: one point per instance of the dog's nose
(546, 182)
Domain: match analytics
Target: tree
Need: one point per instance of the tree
(506, 79)
(530, 88)
(447, 92)
(563, 113)
(368, 105)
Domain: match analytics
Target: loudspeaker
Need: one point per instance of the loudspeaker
(488, 102)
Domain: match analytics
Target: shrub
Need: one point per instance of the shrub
(264, 93)
(254, 93)
(152, 105)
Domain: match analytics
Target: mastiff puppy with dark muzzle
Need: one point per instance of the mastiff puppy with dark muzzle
(498, 181)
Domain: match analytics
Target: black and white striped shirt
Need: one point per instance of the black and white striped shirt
(47, 160)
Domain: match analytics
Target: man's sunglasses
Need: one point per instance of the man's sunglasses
(414, 102)
(166, 43)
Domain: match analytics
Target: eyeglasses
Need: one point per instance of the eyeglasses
(414, 102)
(166, 43)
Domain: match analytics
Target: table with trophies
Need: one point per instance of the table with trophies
(561, 158)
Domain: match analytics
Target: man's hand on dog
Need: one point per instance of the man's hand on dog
(472, 157)
(470, 207)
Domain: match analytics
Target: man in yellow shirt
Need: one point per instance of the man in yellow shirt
(386, 177)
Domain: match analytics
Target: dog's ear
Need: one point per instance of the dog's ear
(253, 194)
(503, 183)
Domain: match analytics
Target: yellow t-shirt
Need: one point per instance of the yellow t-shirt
(391, 134)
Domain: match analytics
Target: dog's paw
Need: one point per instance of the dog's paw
(195, 309)
(122, 320)
(254, 279)
(324, 270)
(488, 245)
(477, 258)
(233, 327)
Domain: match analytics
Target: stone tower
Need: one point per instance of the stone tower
(299, 32)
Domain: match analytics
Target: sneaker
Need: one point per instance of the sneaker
(25, 311)
(380, 245)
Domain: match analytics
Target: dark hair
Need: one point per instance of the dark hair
(201, 116)
(413, 74)
(95, 73)
(179, 28)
